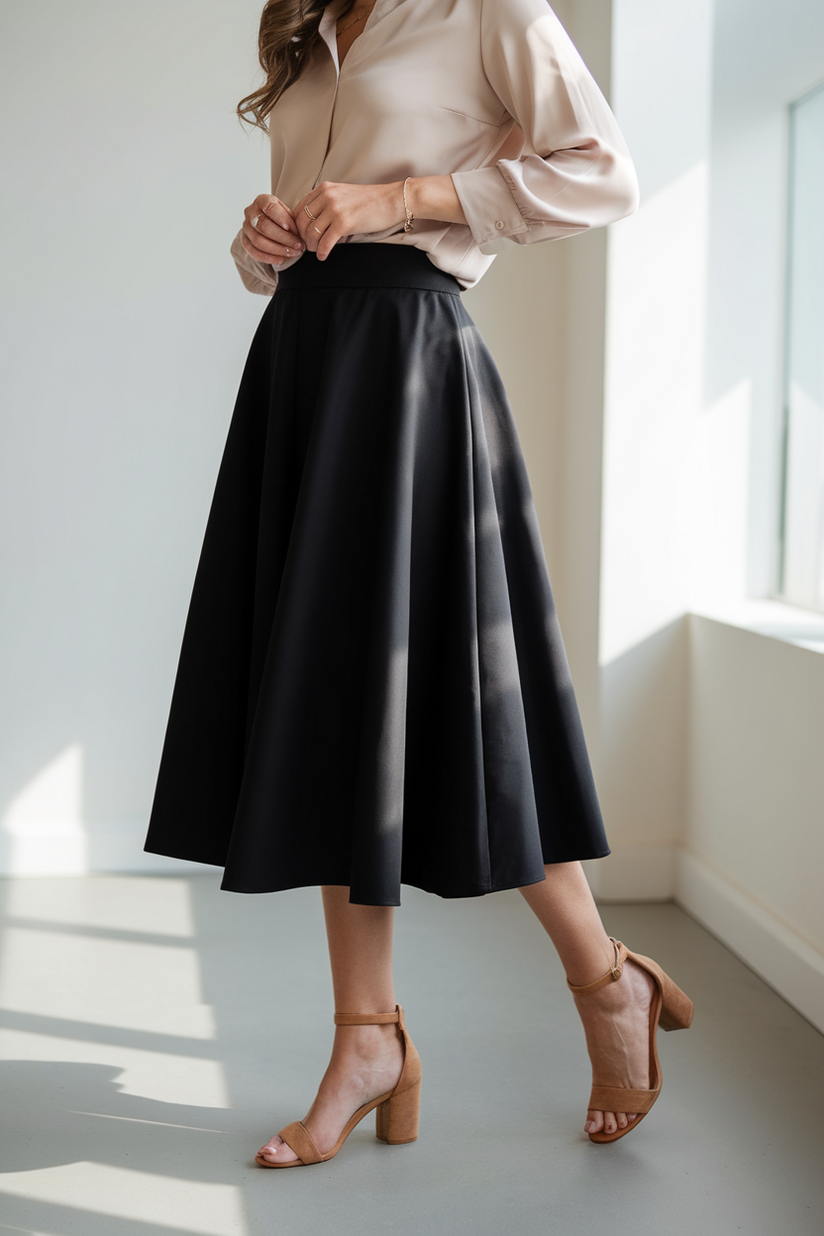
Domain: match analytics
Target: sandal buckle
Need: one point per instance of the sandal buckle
(618, 968)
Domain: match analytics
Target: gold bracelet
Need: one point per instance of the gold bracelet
(410, 218)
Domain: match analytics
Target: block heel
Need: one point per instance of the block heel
(396, 1119)
(677, 1009)
(671, 1009)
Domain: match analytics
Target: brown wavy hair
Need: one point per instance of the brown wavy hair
(288, 33)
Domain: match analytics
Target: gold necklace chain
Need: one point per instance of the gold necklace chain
(355, 22)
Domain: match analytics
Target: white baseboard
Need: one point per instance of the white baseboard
(60, 848)
(783, 959)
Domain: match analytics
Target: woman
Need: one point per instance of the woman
(372, 687)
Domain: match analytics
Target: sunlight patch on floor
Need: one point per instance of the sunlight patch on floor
(138, 986)
(154, 1075)
(119, 903)
(210, 1209)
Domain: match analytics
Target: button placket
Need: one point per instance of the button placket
(331, 44)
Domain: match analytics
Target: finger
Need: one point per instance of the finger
(314, 195)
(285, 246)
(307, 230)
(260, 255)
(257, 239)
(313, 232)
(260, 244)
(279, 213)
(265, 227)
(270, 208)
(307, 212)
(327, 242)
(267, 203)
(281, 204)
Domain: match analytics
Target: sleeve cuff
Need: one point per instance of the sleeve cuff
(257, 277)
(488, 204)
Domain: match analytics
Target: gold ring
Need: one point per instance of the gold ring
(309, 213)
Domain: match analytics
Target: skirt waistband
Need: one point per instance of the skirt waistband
(369, 266)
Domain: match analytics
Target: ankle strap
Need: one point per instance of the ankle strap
(612, 975)
(367, 1019)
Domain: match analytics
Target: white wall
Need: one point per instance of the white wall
(709, 729)
(751, 859)
(753, 848)
(652, 392)
(124, 332)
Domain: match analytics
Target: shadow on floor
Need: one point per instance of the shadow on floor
(94, 1141)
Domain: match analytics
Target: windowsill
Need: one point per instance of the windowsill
(775, 619)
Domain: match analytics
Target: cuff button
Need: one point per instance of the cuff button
(500, 225)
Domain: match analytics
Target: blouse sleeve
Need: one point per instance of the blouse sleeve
(257, 276)
(580, 174)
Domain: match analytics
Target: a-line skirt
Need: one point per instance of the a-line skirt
(372, 689)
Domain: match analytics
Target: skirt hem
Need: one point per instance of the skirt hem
(450, 893)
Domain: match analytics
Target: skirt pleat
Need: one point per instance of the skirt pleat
(372, 688)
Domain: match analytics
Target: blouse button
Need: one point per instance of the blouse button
(500, 225)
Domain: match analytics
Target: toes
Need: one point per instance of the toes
(276, 1151)
(608, 1122)
(604, 1122)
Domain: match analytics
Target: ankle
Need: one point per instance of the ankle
(631, 990)
(592, 964)
(365, 1042)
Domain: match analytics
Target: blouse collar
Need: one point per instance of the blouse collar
(330, 18)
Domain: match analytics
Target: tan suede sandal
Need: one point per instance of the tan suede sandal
(396, 1119)
(670, 1009)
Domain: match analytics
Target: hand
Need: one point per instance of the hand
(347, 210)
(269, 231)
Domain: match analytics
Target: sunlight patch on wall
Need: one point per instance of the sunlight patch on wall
(719, 499)
(43, 823)
(654, 385)
(804, 544)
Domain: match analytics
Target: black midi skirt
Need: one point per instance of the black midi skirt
(372, 688)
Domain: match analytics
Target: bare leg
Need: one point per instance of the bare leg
(616, 1018)
(366, 1060)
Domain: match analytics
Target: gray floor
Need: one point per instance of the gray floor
(153, 1031)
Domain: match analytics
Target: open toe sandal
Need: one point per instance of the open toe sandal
(396, 1119)
(670, 1009)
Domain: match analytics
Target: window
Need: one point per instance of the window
(802, 541)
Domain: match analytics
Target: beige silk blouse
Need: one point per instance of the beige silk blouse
(490, 91)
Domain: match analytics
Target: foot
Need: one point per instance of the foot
(616, 1024)
(366, 1062)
